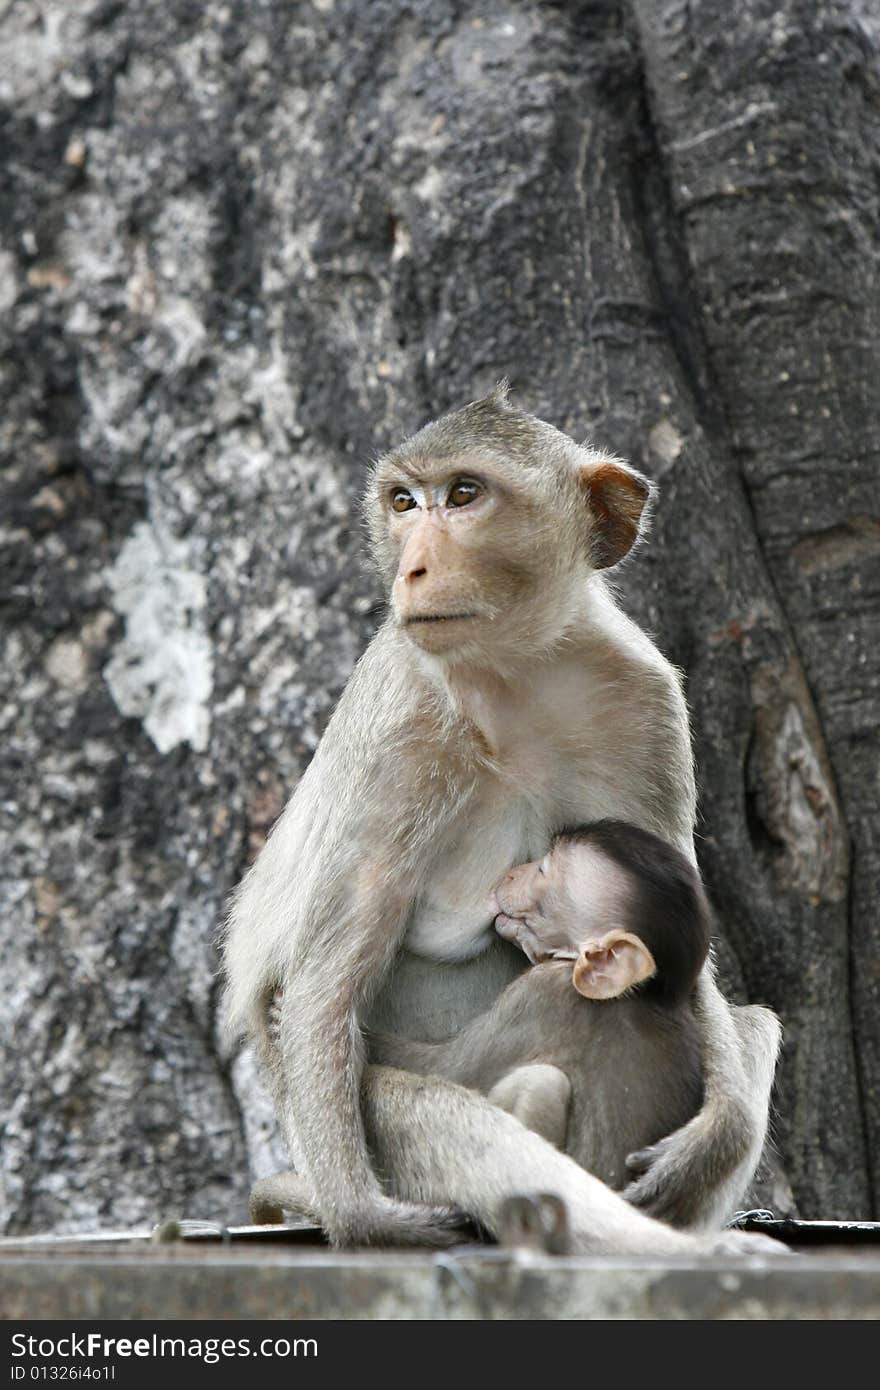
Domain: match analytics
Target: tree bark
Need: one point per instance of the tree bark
(245, 247)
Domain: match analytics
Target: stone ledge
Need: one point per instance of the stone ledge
(199, 1281)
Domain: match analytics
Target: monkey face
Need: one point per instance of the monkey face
(462, 566)
(482, 565)
(553, 906)
(485, 526)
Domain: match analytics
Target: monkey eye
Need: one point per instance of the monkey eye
(462, 492)
(401, 500)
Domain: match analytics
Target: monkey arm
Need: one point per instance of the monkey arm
(696, 1176)
(321, 915)
(321, 1051)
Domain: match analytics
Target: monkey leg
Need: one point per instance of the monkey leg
(433, 1141)
(538, 1095)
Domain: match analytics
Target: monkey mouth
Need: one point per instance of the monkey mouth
(510, 920)
(501, 906)
(437, 618)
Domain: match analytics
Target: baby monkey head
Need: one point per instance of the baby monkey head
(629, 909)
(485, 525)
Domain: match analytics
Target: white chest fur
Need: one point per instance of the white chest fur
(543, 776)
(568, 741)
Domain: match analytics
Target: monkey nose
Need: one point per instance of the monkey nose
(412, 566)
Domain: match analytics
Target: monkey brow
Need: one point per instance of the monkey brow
(424, 467)
(416, 470)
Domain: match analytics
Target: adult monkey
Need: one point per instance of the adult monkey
(505, 698)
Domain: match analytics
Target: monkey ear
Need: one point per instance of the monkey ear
(612, 965)
(617, 497)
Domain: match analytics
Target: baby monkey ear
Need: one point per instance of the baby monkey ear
(617, 497)
(612, 965)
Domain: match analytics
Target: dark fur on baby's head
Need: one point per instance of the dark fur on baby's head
(669, 909)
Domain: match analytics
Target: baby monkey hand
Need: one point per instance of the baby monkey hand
(525, 937)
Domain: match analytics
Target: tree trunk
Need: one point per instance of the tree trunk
(245, 247)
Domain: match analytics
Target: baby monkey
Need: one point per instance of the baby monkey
(624, 1068)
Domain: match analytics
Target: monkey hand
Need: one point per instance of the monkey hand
(522, 935)
(669, 1179)
(661, 1183)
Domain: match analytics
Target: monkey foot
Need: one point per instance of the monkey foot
(390, 1222)
(738, 1243)
(397, 1223)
